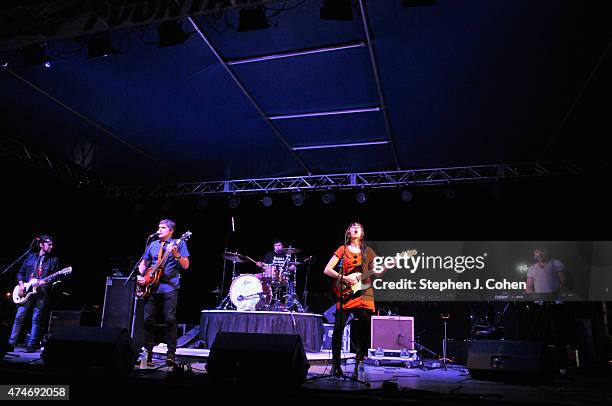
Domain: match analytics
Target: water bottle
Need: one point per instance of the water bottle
(379, 352)
(361, 372)
(143, 359)
(404, 353)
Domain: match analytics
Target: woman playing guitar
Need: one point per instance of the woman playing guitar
(353, 270)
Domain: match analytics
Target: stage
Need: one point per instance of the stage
(427, 386)
(308, 326)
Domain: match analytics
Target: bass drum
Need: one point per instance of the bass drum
(248, 293)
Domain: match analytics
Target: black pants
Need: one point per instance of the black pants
(166, 302)
(360, 333)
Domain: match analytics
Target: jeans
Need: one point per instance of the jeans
(360, 333)
(39, 301)
(166, 302)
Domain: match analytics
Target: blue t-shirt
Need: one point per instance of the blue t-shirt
(169, 280)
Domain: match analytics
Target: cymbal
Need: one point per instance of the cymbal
(291, 250)
(235, 257)
(295, 263)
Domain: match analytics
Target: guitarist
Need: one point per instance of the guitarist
(163, 299)
(361, 305)
(36, 265)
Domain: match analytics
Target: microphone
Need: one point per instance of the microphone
(155, 234)
(233, 226)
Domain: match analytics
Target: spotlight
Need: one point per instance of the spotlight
(407, 195)
(328, 197)
(418, 3)
(35, 55)
(234, 202)
(201, 204)
(171, 33)
(449, 193)
(100, 46)
(298, 198)
(339, 10)
(267, 201)
(252, 19)
(361, 197)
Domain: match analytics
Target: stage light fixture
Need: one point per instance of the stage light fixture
(450, 193)
(407, 195)
(418, 3)
(267, 201)
(253, 18)
(233, 202)
(201, 204)
(298, 198)
(35, 55)
(100, 46)
(171, 33)
(339, 10)
(361, 197)
(328, 197)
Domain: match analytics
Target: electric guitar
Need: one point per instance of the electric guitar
(32, 285)
(153, 274)
(347, 292)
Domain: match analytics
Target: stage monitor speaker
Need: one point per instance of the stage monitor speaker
(62, 318)
(491, 359)
(108, 348)
(250, 357)
(118, 309)
(4, 337)
(392, 332)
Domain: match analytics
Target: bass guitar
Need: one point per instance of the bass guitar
(347, 292)
(33, 284)
(153, 274)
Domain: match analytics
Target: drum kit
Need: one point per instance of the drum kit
(273, 289)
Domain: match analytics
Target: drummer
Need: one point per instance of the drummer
(277, 257)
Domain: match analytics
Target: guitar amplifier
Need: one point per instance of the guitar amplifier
(59, 319)
(328, 333)
(392, 332)
(121, 309)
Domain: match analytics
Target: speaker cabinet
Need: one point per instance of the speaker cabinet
(392, 332)
(491, 359)
(122, 310)
(250, 357)
(59, 319)
(77, 348)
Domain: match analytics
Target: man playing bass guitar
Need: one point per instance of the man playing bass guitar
(164, 296)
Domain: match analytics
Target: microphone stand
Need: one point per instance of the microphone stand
(135, 300)
(223, 303)
(18, 259)
(305, 293)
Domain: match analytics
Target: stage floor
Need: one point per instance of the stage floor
(201, 355)
(434, 386)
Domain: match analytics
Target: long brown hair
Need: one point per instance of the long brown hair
(362, 244)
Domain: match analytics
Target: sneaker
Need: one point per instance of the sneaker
(150, 362)
(171, 360)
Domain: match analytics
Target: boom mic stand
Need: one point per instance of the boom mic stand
(226, 300)
(19, 259)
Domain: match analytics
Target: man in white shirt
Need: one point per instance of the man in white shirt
(546, 275)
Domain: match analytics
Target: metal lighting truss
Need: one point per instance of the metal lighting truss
(367, 180)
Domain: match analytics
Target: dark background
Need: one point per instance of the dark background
(96, 234)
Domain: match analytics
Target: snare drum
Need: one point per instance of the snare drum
(249, 293)
(269, 272)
